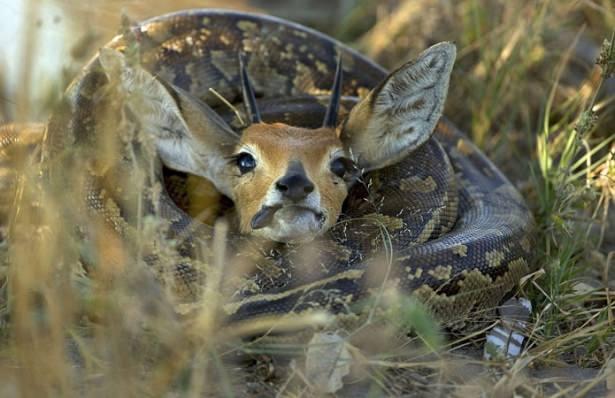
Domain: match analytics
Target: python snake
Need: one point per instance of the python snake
(449, 228)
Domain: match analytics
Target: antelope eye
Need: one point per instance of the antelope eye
(341, 166)
(245, 162)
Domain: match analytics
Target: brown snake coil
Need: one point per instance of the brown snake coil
(456, 232)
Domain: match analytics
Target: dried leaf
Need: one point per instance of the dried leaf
(327, 362)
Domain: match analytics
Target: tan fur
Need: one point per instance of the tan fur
(274, 146)
(395, 118)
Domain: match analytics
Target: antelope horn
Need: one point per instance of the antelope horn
(334, 103)
(249, 99)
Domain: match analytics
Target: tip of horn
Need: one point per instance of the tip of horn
(249, 98)
(334, 103)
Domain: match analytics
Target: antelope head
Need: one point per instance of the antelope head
(288, 183)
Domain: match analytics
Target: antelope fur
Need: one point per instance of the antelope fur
(394, 119)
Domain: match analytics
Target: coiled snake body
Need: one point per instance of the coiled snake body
(456, 232)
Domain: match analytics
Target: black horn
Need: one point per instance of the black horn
(334, 103)
(249, 99)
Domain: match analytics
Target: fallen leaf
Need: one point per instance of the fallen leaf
(327, 362)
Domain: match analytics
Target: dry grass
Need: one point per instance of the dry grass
(525, 88)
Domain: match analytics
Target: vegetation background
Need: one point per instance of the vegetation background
(526, 88)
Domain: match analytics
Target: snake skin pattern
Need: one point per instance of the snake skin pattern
(443, 224)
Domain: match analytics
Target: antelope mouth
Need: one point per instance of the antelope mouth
(288, 223)
(265, 216)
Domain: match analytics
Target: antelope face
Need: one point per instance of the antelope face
(289, 182)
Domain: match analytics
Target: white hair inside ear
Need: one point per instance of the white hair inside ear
(188, 135)
(401, 113)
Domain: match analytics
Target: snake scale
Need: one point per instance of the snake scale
(445, 224)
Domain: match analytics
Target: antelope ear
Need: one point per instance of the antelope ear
(188, 134)
(401, 113)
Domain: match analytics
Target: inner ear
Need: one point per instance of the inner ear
(400, 114)
(189, 136)
(203, 143)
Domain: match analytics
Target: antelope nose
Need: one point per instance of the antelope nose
(294, 186)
